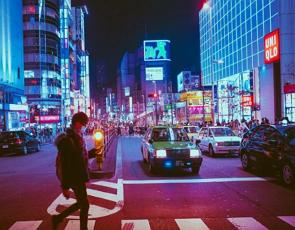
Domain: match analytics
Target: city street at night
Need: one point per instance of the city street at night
(147, 114)
(223, 194)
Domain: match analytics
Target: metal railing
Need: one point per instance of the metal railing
(109, 135)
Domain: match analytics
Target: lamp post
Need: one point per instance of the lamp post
(156, 101)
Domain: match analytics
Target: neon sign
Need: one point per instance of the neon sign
(272, 47)
(156, 50)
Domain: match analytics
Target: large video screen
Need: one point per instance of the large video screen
(156, 50)
(154, 73)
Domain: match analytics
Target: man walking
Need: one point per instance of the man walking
(74, 169)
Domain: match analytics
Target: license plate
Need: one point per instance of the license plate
(5, 146)
(179, 163)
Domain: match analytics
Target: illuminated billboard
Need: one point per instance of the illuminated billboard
(272, 47)
(154, 73)
(156, 50)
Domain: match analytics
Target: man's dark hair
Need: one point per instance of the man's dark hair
(80, 117)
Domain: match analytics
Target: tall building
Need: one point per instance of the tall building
(143, 72)
(41, 61)
(247, 54)
(13, 108)
(81, 64)
(66, 48)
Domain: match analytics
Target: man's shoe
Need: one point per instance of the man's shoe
(55, 220)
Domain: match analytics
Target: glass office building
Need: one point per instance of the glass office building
(13, 107)
(42, 66)
(233, 57)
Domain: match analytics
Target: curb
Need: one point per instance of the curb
(109, 166)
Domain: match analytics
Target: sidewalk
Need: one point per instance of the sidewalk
(109, 164)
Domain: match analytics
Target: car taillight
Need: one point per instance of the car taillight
(18, 141)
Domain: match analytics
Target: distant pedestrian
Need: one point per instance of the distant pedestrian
(74, 169)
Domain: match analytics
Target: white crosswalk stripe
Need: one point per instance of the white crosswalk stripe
(246, 223)
(191, 224)
(135, 225)
(242, 223)
(97, 207)
(26, 225)
(75, 225)
(288, 219)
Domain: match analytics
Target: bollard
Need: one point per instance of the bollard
(99, 143)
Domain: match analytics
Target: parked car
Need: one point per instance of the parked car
(192, 131)
(273, 147)
(170, 147)
(18, 142)
(218, 140)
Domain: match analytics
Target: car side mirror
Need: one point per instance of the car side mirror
(151, 141)
(198, 141)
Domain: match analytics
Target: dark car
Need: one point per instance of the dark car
(18, 142)
(170, 147)
(271, 147)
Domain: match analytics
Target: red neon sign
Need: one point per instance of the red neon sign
(47, 119)
(247, 101)
(272, 47)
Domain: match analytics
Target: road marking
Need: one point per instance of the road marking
(135, 225)
(95, 211)
(104, 195)
(75, 225)
(26, 225)
(288, 219)
(106, 184)
(246, 223)
(209, 180)
(191, 224)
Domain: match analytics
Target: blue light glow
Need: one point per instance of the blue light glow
(168, 164)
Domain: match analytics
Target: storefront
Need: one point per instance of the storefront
(198, 105)
(289, 91)
(235, 97)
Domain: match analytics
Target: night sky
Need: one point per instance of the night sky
(116, 26)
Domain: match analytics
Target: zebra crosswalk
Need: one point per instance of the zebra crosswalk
(240, 223)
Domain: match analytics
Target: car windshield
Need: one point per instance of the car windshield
(160, 134)
(7, 135)
(221, 132)
(179, 135)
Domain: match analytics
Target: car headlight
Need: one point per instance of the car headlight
(195, 153)
(219, 143)
(161, 153)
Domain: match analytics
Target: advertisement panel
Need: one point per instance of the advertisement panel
(272, 47)
(198, 103)
(154, 73)
(156, 50)
(127, 91)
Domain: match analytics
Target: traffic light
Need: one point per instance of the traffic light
(153, 95)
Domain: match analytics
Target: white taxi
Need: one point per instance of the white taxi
(219, 140)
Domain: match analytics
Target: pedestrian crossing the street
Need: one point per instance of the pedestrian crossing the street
(240, 223)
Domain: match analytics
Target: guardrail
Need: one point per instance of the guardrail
(109, 135)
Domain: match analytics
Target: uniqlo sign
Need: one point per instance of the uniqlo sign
(272, 47)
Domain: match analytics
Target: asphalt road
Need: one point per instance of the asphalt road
(222, 196)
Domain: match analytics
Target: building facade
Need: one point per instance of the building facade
(236, 61)
(41, 61)
(80, 76)
(13, 105)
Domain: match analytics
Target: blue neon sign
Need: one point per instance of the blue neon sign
(156, 50)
